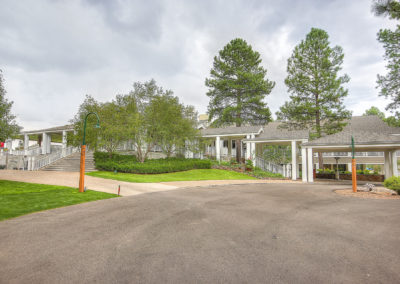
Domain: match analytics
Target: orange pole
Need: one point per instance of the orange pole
(82, 171)
(354, 174)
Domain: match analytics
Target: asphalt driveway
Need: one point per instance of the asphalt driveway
(255, 233)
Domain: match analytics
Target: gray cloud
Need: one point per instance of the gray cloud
(52, 53)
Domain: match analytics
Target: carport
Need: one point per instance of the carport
(370, 133)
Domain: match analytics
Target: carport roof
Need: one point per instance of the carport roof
(52, 129)
(366, 130)
(231, 130)
(274, 131)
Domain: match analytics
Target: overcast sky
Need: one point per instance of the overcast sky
(53, 53)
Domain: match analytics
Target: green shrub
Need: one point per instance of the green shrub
(263, 174)
(325, 171)
(129, 164)
(249, 164)
(393, 183)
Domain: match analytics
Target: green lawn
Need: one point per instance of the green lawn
(206, 174)
(19, 198)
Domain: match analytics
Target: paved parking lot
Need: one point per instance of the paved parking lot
(255, 233)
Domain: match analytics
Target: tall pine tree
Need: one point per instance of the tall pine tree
(390, 83)
(237, 88)
(8, 126)
(315, 87)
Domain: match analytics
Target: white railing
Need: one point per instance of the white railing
(38, 163)
(284, 170)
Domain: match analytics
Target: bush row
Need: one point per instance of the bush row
(126, 164)
(392, 183)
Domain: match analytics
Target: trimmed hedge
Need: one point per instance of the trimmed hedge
(129, 164)
(393, 183)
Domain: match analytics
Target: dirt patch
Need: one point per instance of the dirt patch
(371, 195)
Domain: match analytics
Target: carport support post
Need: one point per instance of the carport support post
(310, 162)
(294, 161)
(353, 166)
(388, 174)
(394, 164)
(26, 143)
(304, 164)
(217, 148)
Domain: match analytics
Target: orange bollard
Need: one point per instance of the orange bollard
(354, 174)
(82, 170)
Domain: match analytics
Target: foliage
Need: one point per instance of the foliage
(8, 125)
(19, 198)
(375, 111)
(198, 174)
(249, 164)
(392, 183)
(389, 8)
(258, 173)
(174, 123)
(325, 171)
(389, 84)
(147, 116)
(317, 92)
(391, 120)
(237, 88)
(278, 154)
(129, 164)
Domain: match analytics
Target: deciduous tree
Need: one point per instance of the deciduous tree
(8, 125)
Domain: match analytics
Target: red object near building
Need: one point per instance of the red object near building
(1, 144)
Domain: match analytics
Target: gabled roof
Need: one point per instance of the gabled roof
(273, 131)
(231, 130)
(52, 129)
(365, 130)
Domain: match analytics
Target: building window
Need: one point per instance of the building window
(233, 143)
(225, 143)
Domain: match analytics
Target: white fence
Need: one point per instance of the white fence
(285, 170)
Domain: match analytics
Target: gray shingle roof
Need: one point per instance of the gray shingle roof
(365, 130)
(272, 131)
(232, 130)
(52, 129)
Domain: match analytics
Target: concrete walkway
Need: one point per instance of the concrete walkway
(111, 186)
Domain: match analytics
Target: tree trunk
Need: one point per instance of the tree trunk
(318, 128)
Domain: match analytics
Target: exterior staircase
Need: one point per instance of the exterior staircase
(71, 163)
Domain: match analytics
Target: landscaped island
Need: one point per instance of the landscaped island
(20, 198)
(127, 168)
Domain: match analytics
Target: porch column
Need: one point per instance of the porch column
(26, 143)
(230, 149)
(64, 142)
(48, 143)
(253, 150)
(248, 148)
(44, 143)
(217, 148)
(294, 161)
(304, 164)
(310, 162)
(349, 167)
(394, 164)
(388, 174)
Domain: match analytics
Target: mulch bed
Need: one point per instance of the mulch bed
(371, 195)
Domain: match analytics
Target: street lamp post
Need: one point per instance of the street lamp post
(353, 166)
(83, 152)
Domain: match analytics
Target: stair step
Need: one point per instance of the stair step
(72, 163)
